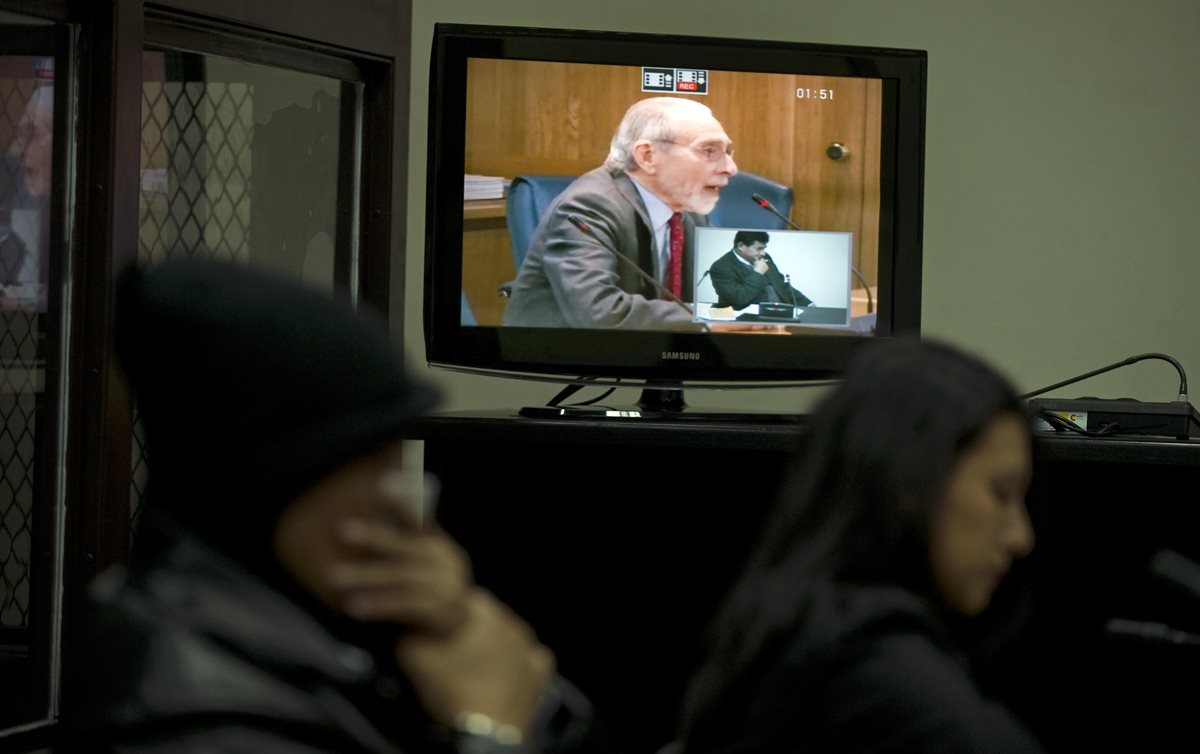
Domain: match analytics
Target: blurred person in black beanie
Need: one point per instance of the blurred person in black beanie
(284, 593)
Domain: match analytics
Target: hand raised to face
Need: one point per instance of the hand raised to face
(416, 577)
(356, 540)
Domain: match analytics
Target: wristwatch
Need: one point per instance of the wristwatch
(477, 733)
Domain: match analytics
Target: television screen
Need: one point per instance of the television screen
(669, 210)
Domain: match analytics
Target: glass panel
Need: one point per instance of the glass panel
(29, 395)
(244, 162)
(241, 162)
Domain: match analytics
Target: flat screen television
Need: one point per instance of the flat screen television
(539, 265)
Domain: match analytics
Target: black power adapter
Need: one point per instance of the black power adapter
(1123, 416)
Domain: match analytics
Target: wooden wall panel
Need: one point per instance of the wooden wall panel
(758, 114)
(868, 264)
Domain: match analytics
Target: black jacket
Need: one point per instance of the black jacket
(738, 285)
(193, 653)
(863, 669)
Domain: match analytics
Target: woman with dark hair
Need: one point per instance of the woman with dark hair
(899, 519)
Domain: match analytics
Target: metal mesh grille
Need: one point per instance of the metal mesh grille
(21, 383)
(197, 144)
(19, 392)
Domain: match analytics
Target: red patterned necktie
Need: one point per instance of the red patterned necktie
(675, 265)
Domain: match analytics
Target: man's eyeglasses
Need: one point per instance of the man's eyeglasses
(710, 152)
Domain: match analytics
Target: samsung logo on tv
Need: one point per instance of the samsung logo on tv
(681, 355)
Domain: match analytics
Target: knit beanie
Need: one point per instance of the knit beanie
(251, 389)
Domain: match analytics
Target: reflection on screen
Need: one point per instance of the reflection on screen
(25, 178)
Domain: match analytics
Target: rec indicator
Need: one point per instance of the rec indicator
(678, 80)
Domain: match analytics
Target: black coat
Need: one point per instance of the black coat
(864, 669)
(739, 286)
(192, 653)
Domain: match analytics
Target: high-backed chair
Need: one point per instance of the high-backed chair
(737, 209)
(466, 315)
(528, 197)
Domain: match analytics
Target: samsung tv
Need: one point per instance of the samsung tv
(827, 143)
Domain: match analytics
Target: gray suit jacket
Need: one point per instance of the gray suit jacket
(572, 277)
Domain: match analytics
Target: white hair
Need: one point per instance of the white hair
(652, 119)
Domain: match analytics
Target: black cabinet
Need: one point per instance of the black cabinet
(618, 538)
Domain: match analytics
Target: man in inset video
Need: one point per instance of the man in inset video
(667, 163)
(747, 275)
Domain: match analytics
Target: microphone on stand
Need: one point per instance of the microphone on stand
(765, 203)
(788, 279)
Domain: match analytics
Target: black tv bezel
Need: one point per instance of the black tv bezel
(730, 359)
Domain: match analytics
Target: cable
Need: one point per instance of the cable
(565, 393)
(597, 399)
(1063, 424)
(573, 388)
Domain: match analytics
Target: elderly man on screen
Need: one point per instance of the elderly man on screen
(610, 251)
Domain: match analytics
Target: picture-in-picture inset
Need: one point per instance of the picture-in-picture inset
(787, 276)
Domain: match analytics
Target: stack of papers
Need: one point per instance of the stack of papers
(483, 187)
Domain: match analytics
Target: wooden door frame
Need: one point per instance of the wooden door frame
(98, 424)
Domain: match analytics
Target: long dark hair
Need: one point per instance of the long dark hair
(857, 503)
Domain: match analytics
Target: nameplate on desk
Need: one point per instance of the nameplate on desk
(782, 311)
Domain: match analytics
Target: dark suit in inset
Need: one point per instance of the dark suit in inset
(738, 285)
